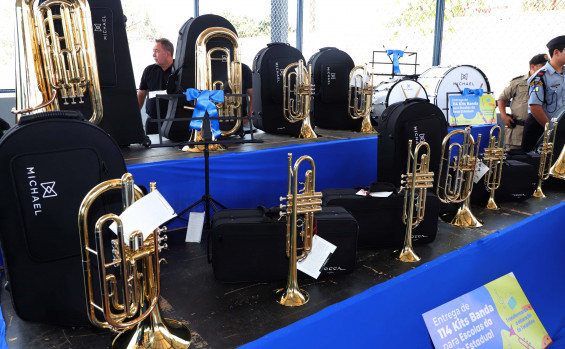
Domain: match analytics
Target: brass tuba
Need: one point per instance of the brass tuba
(205, 57)
(455, 182)
(546, 154)
(304, 204)
(417, 178)
(297, 93)
(56, 64)
(130, 292)
(494, 159)
(360, 97)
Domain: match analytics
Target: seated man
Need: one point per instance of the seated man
(155, 78)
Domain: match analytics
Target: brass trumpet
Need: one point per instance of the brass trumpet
(455, 182)
(128, 303)
(360, 97)
(56, 64)
(205, 59)
(418, 177)
(304, 204)
(546, 154)
(494, 158)
(297, 93)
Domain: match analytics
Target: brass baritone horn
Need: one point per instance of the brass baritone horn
(494, 159)
(130, 292)
(455, 180)
(205, 57)
(546, 154)
(297, 93)
(56, 64)
(417, 180)
(304, 204)
(360, 97)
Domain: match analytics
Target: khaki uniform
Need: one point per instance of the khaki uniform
(517, 91)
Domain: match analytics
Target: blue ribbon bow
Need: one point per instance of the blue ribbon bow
(395, 55)
(204, 104)
(467, 91)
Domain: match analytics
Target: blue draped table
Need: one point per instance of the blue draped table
(389, 315)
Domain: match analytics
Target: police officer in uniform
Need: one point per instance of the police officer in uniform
(517, 93)
(547, 93)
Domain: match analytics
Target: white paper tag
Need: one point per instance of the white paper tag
(480, 170)
(153, 94)
(381, 194)
(317, 258)
(362, 192)
(194, 228)
(145, 215)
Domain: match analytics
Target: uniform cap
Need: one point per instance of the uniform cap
(539, 59)
(560, 40)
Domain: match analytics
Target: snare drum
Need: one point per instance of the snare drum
(439, 81)
(395, 90)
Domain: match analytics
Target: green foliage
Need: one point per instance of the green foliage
(543, 5)
(249, 27)
(421, 14)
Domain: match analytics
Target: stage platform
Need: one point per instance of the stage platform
(230, 315)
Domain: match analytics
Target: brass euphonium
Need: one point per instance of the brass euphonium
(304, 204)
(417, 180)
(361, 97)
(558, 168)
(546, 154)
(128, 303)
(455, 182)
(297, 93)
(56, 64)
(205, 57)
(494, 159)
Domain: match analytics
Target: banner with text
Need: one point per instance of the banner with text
(471, 110)
(496, 315)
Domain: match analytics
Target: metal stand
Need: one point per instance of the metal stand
(207, 199)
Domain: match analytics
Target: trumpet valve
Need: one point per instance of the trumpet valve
(163, 247)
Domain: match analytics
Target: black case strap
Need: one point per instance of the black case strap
(61, 114)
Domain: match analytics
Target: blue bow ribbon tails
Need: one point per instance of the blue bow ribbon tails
(204, 103)
(396, 54)
(467, 91)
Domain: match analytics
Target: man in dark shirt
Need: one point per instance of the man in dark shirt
(154, 78)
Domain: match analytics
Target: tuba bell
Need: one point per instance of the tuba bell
(494, 159)
(546, 154)
(360, 97)
(297, 94)
(304, 204)
(207, 79)
(417, 180)
(56, 66)
(128, 303)
(455, 182)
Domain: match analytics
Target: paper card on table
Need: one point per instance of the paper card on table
(145, 215)
(194, 228)
(496, 315)
(381, 194)
(321, 252)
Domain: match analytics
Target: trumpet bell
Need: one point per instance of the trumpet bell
(292, 297)
(407, 254)
(558, 168)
